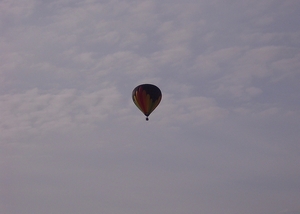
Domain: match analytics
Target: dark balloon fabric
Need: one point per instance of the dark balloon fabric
(146, 97)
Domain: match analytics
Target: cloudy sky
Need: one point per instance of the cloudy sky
(224, 140)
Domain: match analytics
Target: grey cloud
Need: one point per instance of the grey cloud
(223, 140)
(35, 112)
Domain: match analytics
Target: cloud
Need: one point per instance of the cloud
(237, 69)
(36, 112)
(174, 56)
(17, 9)
(192, 110)
(72, 140)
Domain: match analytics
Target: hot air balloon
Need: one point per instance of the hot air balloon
(146, 97)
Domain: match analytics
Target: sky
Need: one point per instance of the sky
(225, 138)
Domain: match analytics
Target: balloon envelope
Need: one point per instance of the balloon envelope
(146, 97)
